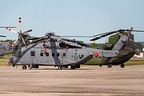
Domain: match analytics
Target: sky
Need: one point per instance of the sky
(72, 17)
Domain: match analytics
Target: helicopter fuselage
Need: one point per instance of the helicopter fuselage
(56, 54)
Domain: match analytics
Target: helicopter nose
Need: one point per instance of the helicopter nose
(11, 61)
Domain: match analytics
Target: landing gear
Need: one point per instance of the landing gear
(33, 66)
(60, 67)
(122, 65)
(100, 65)
(109, 65)
(77, 66)
(13, 65)
(24, 67)
(72, 66)
(65, 66)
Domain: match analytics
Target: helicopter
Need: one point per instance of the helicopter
(6, 47)
(121, 40)
(51, 50)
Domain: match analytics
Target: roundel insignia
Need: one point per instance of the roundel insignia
(75, 57)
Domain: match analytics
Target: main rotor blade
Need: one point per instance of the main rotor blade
(131, 30)
(19, 24)
(138, 30)
(2, 36)
(34, 38)
(27, 31)
(96, 38)
(9, 29)
(35, 41)
(102, 35)
(78, 36)
(74, 41)
(6, 27)
(109, 33)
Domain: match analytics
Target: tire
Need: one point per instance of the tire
(109, 66)
(72, 67)
(100, 65)
(122, 65)
(78, 66)
(24, 67)
(65, 66)
(35, 66)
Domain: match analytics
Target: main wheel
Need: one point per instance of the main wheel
(72, 67)
(100, 65)
(122, 65)
(109, 65)
(13, 65)
(35, 66)
(78, 66)
(65, 66)
(24, 67)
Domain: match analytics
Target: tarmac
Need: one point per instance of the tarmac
(86, 81)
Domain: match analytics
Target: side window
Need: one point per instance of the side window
(41, 53)
(58, 54)
(47, 54)
(32, 53)
(64, 54)
(53, 54)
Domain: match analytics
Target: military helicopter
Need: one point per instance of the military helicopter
(51, 50)
(123, 41)
(5, 47)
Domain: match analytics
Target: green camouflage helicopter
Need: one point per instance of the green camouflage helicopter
(123, 41)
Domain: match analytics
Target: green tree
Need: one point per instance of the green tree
(93, 45)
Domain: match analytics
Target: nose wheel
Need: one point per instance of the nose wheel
(24, 67)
